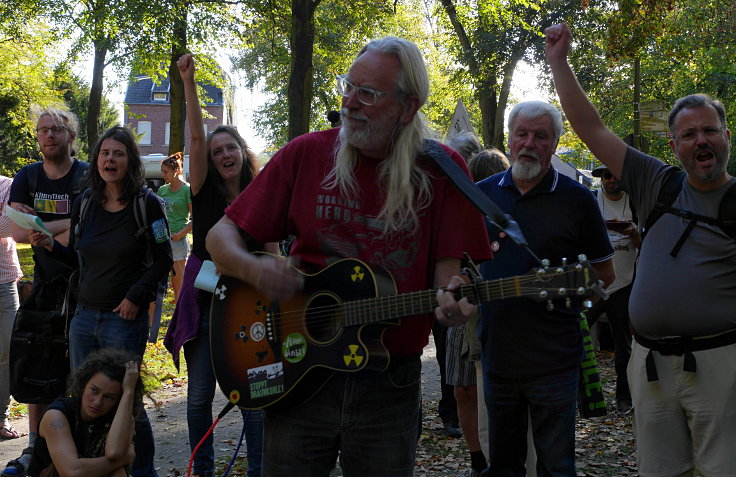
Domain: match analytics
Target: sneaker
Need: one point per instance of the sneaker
(452, 429)
(470, 473)
(624, 406)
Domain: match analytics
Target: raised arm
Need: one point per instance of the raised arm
(197, 145)
(120, 436)
(581, 113)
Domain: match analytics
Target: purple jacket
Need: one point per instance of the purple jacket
(184, 324)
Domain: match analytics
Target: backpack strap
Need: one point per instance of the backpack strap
(727, 212)
(78, 172)
(671, 187)
(32, 174)
(140, 214)
(83, 209)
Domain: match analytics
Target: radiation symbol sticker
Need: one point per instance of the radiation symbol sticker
(358, 273)
(353, 356)
(234, 396)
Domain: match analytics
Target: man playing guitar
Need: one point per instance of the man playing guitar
(364, 191)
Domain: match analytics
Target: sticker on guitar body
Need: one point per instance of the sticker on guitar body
(294, 348)
(266, 380)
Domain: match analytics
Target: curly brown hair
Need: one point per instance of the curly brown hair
(111, 363)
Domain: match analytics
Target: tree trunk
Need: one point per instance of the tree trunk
(300, 78)
(488, 104)
(95, 93)
(178, 108)
(503, 99)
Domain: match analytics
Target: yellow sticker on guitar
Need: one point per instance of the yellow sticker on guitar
(358, 273)
(353, 356)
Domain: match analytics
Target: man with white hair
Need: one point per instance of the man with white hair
(364, 191)
(531, 354)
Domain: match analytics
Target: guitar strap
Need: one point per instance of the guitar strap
(481, 201)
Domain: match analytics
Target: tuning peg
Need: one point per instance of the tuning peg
(587, 304)
(545, 263)
(564, 261)
(568, 303)
(582, 258)
(550, 305)
(561, 291)
(543, 294)
(578, 267)
(581, 291)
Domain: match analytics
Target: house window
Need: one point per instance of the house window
(167, 133)
(160, 96)
(144, 132)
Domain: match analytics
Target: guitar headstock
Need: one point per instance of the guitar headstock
(566, 281)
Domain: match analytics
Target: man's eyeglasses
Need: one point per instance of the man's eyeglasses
(54, 129)
(691, 134)
(366, 96)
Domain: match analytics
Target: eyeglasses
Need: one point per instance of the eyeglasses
(691, 134)
(54, 129)
(366, 96)
(608, 175)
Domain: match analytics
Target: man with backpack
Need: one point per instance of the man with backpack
(683, 360)
(621, 223)
(47, 189)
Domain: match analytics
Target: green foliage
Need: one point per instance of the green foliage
(681, 55)
(25, 79)
(75, 93)
(341, 28)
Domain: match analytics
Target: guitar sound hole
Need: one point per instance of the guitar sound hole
(324, 320)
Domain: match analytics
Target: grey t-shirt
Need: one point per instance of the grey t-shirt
(693, 294)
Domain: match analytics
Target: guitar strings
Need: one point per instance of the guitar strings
(376, 306)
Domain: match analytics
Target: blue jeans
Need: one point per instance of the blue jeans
(8, 308)
(551, 400)
(201, 392)
(91, 330)
(371, 420)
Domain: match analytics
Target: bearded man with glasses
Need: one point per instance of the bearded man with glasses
(683, 360)
(363, 191)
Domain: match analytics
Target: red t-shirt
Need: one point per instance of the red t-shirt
(288, 198)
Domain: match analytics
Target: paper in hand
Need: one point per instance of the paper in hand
(207, 278)
(27, 221)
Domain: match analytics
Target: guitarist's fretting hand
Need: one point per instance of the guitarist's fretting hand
(451, 312)
(277, 279)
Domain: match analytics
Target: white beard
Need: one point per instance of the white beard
(526, 170)
(368, 137)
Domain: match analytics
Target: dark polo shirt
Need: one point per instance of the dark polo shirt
(560, 219)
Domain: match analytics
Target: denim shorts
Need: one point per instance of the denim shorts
(180, 249)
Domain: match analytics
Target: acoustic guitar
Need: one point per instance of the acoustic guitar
(271, 354)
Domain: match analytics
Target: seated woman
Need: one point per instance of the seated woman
(90, 432)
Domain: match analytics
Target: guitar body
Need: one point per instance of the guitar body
(274, 354)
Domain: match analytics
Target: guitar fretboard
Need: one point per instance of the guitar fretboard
(370, 310)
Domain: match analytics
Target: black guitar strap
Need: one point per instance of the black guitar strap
(476, 196)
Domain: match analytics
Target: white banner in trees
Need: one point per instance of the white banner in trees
(460, 121)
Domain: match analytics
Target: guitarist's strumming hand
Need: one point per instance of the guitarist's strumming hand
(277, 277)
(451, 312)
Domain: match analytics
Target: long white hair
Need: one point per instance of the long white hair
(406, 186)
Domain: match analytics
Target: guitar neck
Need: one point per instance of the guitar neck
(371, 310)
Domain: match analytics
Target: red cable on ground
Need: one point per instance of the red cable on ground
(226, 409)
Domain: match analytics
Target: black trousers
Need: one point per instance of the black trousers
(447, 408)
(616, 309)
